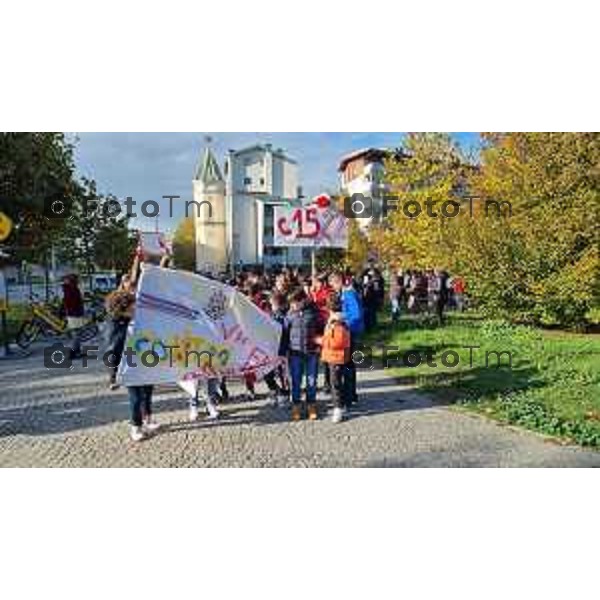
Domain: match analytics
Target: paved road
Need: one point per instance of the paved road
(58, 418)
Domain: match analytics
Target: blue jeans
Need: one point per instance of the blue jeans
(299, 365)
(212, 392)
(140, 403)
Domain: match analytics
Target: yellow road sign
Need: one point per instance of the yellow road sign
(6, 226)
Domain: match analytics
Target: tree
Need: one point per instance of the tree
(115, 245)
(430, 172)
(184, 244)
(35, 168)
(542, 264)
(529, 249)
(358, 247)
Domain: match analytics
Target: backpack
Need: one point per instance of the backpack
(336, 343)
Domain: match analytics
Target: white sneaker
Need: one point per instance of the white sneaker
(150, 426)
(136, 434)
(337, 415)
(213, 411)
(194, 413)
(281, 400)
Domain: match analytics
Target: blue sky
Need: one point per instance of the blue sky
(147, 166)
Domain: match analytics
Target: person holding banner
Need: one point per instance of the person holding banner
(119, 307)
(140, 404)
(140, 396)
(277, 380)
(208, 389)
(211, 396)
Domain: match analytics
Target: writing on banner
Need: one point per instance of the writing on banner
(314, 225)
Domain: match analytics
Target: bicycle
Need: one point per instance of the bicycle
(47, 322)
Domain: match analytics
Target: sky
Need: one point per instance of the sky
(147, 166)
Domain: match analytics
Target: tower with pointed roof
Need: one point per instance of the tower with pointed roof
(210, 211)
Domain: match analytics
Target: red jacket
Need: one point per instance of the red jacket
(320, 298)
(73, 300)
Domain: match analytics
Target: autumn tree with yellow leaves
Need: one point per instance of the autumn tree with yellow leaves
(527, 241)
(542, 264)
(184, 245)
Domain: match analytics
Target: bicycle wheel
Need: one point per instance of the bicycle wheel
(29, 332)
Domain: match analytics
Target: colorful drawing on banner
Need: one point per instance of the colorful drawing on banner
(196, 328)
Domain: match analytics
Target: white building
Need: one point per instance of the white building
(363, 172)
(240, 229)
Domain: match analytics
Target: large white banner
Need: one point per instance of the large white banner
(194, 328)
(313, 226)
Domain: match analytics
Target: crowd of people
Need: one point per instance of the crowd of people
(429, 292)
(322, 316)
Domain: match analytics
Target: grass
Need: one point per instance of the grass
(552, 386)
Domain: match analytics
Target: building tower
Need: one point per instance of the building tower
(211, 227)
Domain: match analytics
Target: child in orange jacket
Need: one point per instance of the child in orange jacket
(335, 345)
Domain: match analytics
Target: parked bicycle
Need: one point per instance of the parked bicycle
(47, 322)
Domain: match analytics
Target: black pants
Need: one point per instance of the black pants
(327, 377)
(116, 344)
(338, 390)
(276, 381)
(440, 306)
(350, 373)
(140, 403)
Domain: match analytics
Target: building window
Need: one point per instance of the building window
(247, 180)
(262, 181)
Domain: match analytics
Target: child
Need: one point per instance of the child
(119, 307)
(320, 293)
(140, 396)
(335, 348)
(353, 316)
(280, 389)
(211, 397)
(254, 292)
(303, 323)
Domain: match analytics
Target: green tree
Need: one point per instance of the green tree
(184, 245)
(115, 244)
(358, 247)
(542, 264)
(431, 172)
(34, 169)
